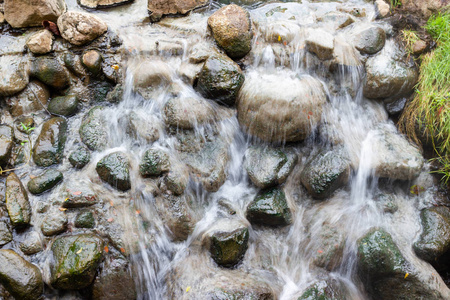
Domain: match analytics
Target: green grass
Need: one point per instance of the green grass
(430, 110)
(395, 3)
(410, 37)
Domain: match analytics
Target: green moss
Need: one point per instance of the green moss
(426, 119)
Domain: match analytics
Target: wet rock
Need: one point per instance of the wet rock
(23, 13)
(17, 203)
(326, 172)
(80, 157)
(321, 43)
(45, 181)
(93, 131)
(419, 47)
(31, 243)
(188, 72)
(326, 245)
(2, 18)
(370, 40)
(268, 166)
(114, 169)
(5, 234)
(76, 258)
(15, 74)
(116, 95)
(114, 280)
(382, 268)
(49, 146)
(387, 75)
(63, 105)
(396, 107)
(278, 107)
(177, 215)
(160, 8)
(54, 223)
(41, 42)
(282, 32)
(78, 194)
(149, 75)
(33, 98)
(228, 242)
(434, 240)
(394, 156)
(338, 20)
(325, 290)
(177, 179)
(220, 79)
(92, 60)
(111, 67)
(102, 3)
(188, 112)
(232, 29)
(80, 28)
(269, 208)
(423, 8)
(51, 72)
(154, 163)
(383, 8)
(73, 63)
(6, 144)
(21, 278)
(85, 219)
(140, 126)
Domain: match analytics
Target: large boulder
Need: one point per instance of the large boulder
(15, 74)
(326, 172)
(434, 240)
(41, 42)
(93, 130)
(75, 261)
(269, 207)
(25, 13)
(268, 166)
(188, 112)
(51, 72)
(33, 98)
(6, 143)
(49, 146)
(220, 79)
(160, 8)
(389, 74)
(21, 279)
(280, 107)
(232, 29)
(80, 28)
(114, 169)
(17, 204)
(45, 181)
(393, 156)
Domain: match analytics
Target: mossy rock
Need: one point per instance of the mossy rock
(80, 157)
(220, 79)
(17, 203)
(228, 247)
(44, 181)
(85, 219)
(51, 72)
(269, 208)
(325, 290)
(49, 146)
(76, 259)
(21, 279)
(93, 131)
(326, 172)
(114, 169)
(434, 240)
(63, 105)
(154, 163)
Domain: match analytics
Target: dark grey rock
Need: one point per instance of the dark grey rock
(5, 234)
(80, 157)
(114, 169)
(17, 203)
(85, 219)
(93, 131)
(54, 223)
(44, 181)
(50, 71)
(370, 40)
(49, 146)
(63, 106)
(269, 208)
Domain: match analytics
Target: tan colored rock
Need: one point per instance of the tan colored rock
(419, 47)
(382, 8)
(14, 70)
(160, 8)
(424, 8)
(80, 28)
(41, 42)
(188, 112)
(27, 13)
(232, 29)
(321, 43)
(33, 98)
(102, 3)
(2, 18)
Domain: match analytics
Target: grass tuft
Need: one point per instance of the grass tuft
(428, 114)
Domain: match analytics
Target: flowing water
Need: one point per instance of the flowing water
(280, 257)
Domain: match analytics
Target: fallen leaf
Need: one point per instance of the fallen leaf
(110, 220)
(67, 199)
(320, 251)
(279, 38)
(79, 251)
(188, 289)
(111, 203)
(62, 209)
(138, 212)
(32, 176)
(115, 67)
(106, 249)
(122, 250)
(406, 275)
(77, 193)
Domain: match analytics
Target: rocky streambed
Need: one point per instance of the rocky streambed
(233, 152)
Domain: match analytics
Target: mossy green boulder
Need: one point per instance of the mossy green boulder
(63, 105)
(51, 72)
(154, 163)
(80, 157)
(20, 278)
(326, 172)
(228, 245)
(325, 290)
(114, 169)
(49, 146)
(44, 181)
(17, 204)
(269, 208)
(85, 219)
(76, 259)
(434, 240)
(220, 79)
(93, 131)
